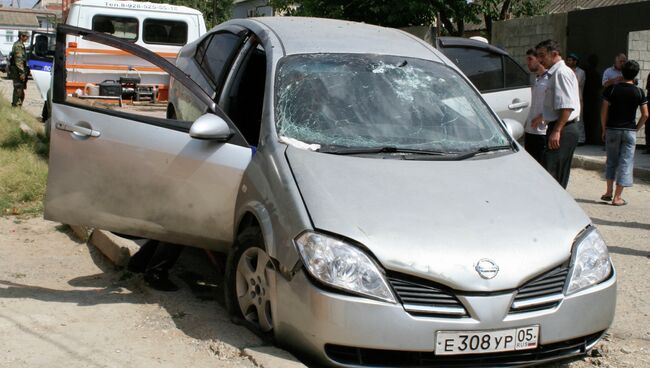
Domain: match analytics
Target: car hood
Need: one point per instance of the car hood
(437, 219)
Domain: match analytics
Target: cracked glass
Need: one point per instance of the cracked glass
(366, 101)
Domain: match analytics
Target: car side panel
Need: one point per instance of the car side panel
(500, 100)
(143, 180)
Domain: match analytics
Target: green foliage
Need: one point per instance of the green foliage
(23, 168)
(387, 13)
(454, 14)
(207, 7)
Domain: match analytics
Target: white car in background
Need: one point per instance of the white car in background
(503, 83)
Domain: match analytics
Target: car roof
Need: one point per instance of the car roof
(302, 35)
(468, 42)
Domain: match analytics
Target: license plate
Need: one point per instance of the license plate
(479, 342)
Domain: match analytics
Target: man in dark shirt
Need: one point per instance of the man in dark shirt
(619, 126)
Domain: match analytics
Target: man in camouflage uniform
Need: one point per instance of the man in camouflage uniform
(18, 69)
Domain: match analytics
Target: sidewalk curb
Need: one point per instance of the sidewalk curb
(115, 248)
(590, 163)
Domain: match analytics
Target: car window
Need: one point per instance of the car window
(516, 76)
(483, 68)
(243, 95)
(123, 27)
(354, 100)
(166, 32)
(214, 56)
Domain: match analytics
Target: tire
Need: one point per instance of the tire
(249, 283)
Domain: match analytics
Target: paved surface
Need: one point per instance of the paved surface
(593, 157)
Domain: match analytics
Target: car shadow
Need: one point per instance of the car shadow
(630, 224)
(628, 251)
(591, 201)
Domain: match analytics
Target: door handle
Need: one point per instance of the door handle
(518, 105)
(83, 131)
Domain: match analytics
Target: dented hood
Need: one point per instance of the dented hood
(437, 219)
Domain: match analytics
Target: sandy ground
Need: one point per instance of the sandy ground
(63, 304)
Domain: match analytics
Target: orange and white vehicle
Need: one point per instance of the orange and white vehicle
(161, 28)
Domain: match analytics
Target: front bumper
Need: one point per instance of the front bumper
(317, 321)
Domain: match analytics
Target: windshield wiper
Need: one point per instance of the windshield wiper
(464, 156)
(385, 149)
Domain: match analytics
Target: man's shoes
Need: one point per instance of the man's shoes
(159, 281)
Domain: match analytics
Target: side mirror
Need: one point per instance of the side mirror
(212, 127)
(515, 129)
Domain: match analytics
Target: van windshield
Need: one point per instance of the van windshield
(366, 101)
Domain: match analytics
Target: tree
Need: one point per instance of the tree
(454, 14)
(223, 9)
(494, 10)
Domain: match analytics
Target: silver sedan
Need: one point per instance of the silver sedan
(375, 210)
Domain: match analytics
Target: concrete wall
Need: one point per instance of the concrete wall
(639, 50)
(248, 8)
(518, 35)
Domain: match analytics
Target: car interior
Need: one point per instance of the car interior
(245, 99)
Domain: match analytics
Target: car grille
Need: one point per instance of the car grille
(541, 293)
(423, 298)
(396, 358)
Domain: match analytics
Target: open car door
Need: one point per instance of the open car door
(121, 166)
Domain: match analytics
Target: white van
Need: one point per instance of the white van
(161, 28)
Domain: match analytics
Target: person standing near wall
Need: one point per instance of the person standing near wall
(18, 69)
(535, 127)
(617, 116)
(572, 62)
(560, 111)
(613, 75)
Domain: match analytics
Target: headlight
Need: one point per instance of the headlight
(591, 264)
(342, 266)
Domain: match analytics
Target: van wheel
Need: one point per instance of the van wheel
(249, 281)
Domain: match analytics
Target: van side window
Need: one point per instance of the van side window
(123, 27)
(166, 32)
(483, 68)
(216, 54)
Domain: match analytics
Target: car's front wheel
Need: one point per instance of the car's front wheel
(250, 281)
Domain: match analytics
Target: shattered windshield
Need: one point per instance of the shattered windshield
(366, 101)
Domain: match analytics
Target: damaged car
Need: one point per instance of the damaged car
(375, 210)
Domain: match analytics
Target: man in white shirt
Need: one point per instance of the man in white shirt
(535, 127)
(560, 111)
(572, 62)
(613, 75)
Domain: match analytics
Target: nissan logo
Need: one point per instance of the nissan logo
(486, 268)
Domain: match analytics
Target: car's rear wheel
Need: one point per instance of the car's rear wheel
(250, 281)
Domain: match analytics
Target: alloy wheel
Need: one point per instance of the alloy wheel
(254, 289)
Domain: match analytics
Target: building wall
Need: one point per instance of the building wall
(639, 50)
(518, 35)
(7, 39)
(255, 8)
